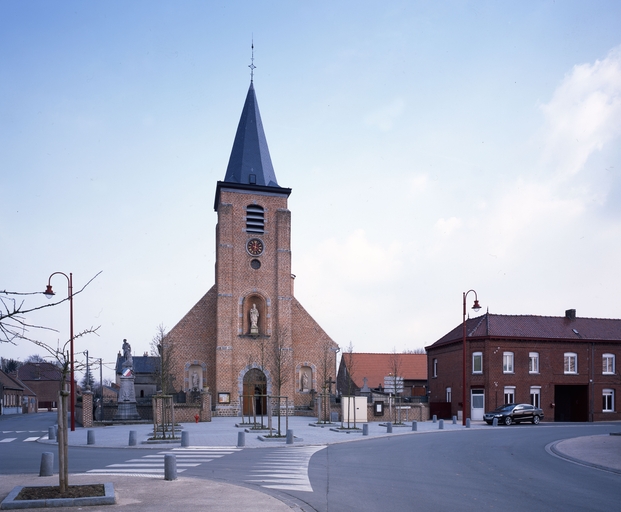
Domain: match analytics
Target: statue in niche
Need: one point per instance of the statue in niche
(254, 320)
(194, 380)
(304, 381)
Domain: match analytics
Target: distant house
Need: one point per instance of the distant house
(566, 365)
(11, 394)
(370, 371)
(44, 379)
(146, 374)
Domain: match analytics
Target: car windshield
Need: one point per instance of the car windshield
(502, 408)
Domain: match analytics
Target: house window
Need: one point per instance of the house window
(608, 364)
(449, 395)
(509, 394)
(571, 362)
(535, 396)
(435, 367)
(507, 363)
(477, 362)
(533, 362)
(608, 396)
(255, 219)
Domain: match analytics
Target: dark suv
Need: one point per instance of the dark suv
(514, 413)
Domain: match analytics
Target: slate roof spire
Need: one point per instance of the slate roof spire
(250, 162)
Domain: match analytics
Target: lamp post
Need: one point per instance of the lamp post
(49, 293)
(476, 308)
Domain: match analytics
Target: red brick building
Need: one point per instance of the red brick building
(565, 365)
(248, 335)
(44, 380)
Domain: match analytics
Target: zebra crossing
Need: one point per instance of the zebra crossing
(152, 465)
(285, 470)
(19, 435)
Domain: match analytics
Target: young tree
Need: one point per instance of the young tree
(326, 370)
(395, 367)
(281, 364)
(10, 365)
(13, 328)
(163, 347)
(350, 366)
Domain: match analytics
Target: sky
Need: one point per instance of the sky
(432, 148)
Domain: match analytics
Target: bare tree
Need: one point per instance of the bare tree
(326, 370)
(350, 368)
(281, 364)
(163, 346)
(13, 312)
(395, 366)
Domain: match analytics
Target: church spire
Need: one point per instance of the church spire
(250, 162)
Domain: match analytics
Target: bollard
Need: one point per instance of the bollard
(51, 433)
(241, 439)
(185, 439)
(289, 436)
(441, 425)
(435, 418)
(170, 467)
(414, 426)
(47, 464)
(56, 431)
(467, 422)
(495, 422)
(133, 437)
(365, 429)
(389, 428)
(454, 420)
(90, 437)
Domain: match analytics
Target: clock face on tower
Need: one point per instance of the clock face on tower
(254, 246)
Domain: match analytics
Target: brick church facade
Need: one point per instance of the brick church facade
(248, 335)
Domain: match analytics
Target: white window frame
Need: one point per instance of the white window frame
(449, 395)
(508, 362)
(608, 364)
(479, 356)
(510, 392)
(435, 366)
(568, 357)
(533, 362)
(608, 400)
(535, 396)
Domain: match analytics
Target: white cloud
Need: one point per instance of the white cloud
(384, 117)
(447, 226)
(583, 114)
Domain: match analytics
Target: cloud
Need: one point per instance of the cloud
(583, 114)
(384, 117)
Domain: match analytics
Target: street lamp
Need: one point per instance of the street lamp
(49, 293)
(476, 308)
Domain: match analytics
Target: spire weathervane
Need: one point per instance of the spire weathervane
(252, 66)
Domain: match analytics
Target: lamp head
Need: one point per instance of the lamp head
(476, 306)
(49, 293)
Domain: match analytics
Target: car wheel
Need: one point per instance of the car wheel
(536, 420)
(508, 420)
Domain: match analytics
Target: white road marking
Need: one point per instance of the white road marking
(286, 470)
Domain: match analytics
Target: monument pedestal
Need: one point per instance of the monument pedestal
(127, 400)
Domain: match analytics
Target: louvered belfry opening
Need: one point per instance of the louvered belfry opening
(255, 219)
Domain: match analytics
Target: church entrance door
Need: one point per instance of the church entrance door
(255, 385)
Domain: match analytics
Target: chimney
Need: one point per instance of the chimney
(570, 314)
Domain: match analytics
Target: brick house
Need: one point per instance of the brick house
(565, 365)
(248, 335)
(11, 394)
(44, 380)
(370, 370)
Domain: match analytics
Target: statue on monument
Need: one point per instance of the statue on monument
(254, 320)
(127, 354)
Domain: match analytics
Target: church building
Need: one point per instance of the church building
(248, 336)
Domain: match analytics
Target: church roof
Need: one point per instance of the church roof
(250, 165)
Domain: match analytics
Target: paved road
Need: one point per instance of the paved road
(482, 468)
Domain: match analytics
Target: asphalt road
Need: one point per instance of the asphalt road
(504, 468)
